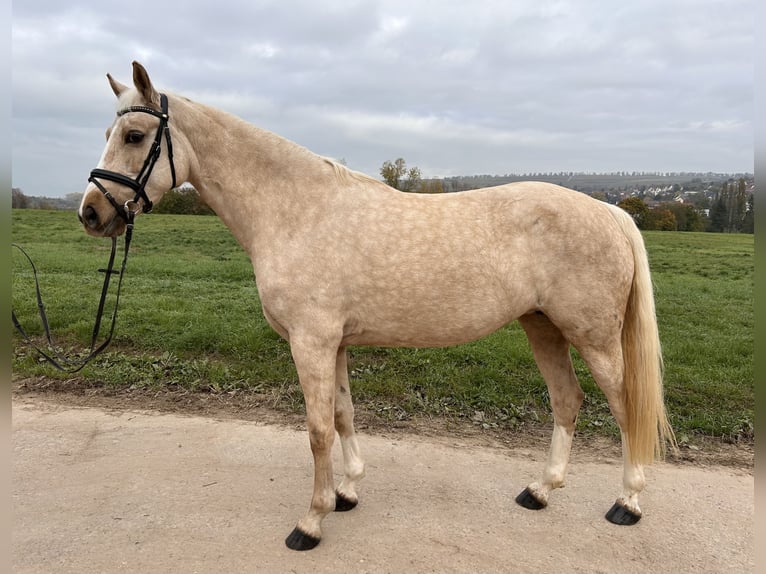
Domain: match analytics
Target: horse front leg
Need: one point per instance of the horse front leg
(353, 465)
(316, 366)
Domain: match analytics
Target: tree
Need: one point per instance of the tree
(399, 177)
(718, 215)
(660, 219)
(694, 219)
(431, 186)
(392, 172)
(739, 206)
(748, 221)
(18, 199)
(687, 217)
(73, 199)
(730, 209)
(636, 207)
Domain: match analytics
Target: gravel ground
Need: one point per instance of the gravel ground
(104, 489)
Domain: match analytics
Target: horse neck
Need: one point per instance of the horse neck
(257, 182)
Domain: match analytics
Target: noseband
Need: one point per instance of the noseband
(139, 183)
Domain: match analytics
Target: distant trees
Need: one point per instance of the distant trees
(688, 217)
(637, 208)
(661, 219)
(431, 186)
(18, 199)
(748, 222)
(665, 217)
(396, 174)
(184, 200)
(733, 209)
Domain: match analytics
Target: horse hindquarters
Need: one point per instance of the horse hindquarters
(648, 428)
(643, 420)
(626, 363)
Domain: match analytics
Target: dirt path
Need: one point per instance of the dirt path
(119, 490)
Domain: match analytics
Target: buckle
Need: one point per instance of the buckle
(132, 207)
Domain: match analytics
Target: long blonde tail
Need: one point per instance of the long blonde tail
(648, 428)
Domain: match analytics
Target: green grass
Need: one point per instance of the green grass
(190, 318)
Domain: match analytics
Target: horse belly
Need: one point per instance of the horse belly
(430, 322)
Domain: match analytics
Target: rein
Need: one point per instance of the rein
(127, 212)
(63, 363)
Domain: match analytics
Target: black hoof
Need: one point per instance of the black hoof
(343, 504)
(618, 514)
(528, 500)
(300, 541)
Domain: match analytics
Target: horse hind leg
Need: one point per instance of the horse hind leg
(551, 351)
(607, 368)
(353, 465)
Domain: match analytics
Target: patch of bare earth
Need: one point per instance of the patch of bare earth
(251, 406)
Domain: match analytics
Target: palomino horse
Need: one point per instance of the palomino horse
(342, 259)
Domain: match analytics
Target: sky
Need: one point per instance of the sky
(453, 87)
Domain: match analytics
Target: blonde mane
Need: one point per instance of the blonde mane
(346, 175)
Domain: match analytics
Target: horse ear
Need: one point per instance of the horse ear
(117, 87)
(144, 85)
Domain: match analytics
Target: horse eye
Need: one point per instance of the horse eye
(134, 137)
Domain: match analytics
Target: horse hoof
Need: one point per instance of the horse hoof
(297, 540)
(528, 500)
(343, 504)
(618, 514)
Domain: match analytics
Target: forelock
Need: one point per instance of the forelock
(126, 100)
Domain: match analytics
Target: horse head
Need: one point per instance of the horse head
(144, 157)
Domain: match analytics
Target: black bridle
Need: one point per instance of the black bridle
(127, 212)
(139, 183)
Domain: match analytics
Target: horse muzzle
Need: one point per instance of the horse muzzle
(100, 219)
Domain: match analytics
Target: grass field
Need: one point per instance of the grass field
(190, 318)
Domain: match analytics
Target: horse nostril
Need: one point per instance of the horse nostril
(89, 217)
